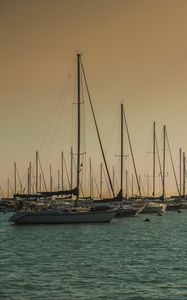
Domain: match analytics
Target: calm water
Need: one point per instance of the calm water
(126, 259)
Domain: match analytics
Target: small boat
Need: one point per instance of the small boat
(154, 207)
(174, 206)
(128, 211)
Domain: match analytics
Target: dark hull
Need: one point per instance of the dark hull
(62, 217)
(126, 212)
(173, 206)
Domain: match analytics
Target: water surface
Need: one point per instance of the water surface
(126, 259)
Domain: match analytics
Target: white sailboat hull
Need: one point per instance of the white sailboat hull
(54, 217)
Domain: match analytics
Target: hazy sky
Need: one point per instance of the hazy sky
(132, 49)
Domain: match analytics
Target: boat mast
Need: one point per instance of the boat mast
(90, 177)
(180, 170)
(133, 160)
(29, 179)
(164, 158)
(36, 172)
(132, 185)
(78, 122)
(15, 178)
(62, 170)
(184, 174)
(175, 176)
(121, 177)
(71, 169)
(126, 172)
(8, 184)
(101, 180)
(50, 178)
(40, 182)
(113, 178)
(154, 146)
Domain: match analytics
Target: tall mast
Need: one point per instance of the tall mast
(164, 158)
(126, 173)
(71, 169)
(62, 170)
(15, 178)
(29, 179)
(154, 146)
(147, 185)
(113, 178)
(78, 123)
(90, 177)
(8, 185)
(132, 185)
(40, 182)
(36, 172)
(101, 179)
(184, 174)
(175, 176)
(51, 179)
(133, 160)
(121, 183)
(180, 171)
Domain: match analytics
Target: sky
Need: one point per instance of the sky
(134, 50)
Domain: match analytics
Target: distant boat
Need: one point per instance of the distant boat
(154, 207)
(70, 215)
(173, 204)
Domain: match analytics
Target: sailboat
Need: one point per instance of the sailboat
(153, 204)
(76, 214)
(125, 210)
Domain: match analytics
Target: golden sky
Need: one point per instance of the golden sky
(132, 49)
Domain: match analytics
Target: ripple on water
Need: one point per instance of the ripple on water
(126, 259)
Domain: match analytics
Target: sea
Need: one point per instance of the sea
(125, 259)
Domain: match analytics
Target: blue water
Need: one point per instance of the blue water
(126, 259)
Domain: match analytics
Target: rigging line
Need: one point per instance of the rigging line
(116, 182)
(34, 179)
(2, 194)
(11, 188)
(142, 186)
(159, 161)
(24, 176)
(146, 163)
(101, 146)
(175, 176)
(136, 175)
(84, 121)
(55, 131)
(73, 118)
(130, 183)
(95, 181)
(67, 173)
(52, 141)
(106, 183)
(45, 186)
(21, 186)
(57, 105)
(79, 182)
(113, 129)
